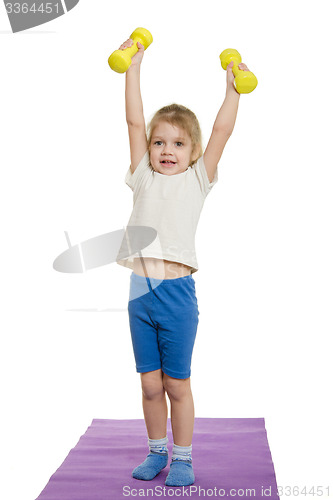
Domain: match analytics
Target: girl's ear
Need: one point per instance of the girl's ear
(195, 153)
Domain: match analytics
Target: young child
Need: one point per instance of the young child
(170, 178)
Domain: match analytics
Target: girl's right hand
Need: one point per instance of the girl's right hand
(137, 58)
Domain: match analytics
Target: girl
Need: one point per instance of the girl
(170, 178)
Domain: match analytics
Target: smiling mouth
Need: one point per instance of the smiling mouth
(168, 163)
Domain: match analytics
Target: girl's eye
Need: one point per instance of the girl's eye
(157, 143)
(179, 143)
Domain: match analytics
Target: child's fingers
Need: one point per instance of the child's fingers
(126, 44)
(243, 67)
(129, 43)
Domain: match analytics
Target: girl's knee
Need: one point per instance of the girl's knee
(175, 387)
(152, 385)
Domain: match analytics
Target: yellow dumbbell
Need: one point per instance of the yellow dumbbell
(245, 81)
(120, 60)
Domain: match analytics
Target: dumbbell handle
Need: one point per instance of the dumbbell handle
(133, 49)
(235, 69)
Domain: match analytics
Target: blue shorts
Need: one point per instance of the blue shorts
(163, 317)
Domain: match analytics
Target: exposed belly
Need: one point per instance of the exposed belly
(160, 268)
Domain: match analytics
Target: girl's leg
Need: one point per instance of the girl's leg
(156, 413)
(154, 404)
(182, 422)
(182, 409)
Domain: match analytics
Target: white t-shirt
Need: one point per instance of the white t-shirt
(171, 204)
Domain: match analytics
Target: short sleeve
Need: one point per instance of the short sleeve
(202, 176)
(133, 180)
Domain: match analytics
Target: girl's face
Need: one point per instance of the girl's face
(170, 149)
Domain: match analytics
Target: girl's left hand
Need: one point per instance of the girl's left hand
(230, 75)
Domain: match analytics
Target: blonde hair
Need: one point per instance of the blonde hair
(182, 117)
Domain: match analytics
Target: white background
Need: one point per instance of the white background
(264, 240)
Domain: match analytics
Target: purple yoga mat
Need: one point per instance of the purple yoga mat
(230, 456)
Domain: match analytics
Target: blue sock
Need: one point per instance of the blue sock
(157, 459)
(181, 470)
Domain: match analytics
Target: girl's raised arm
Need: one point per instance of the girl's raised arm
(134, 108)
(224, 124)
